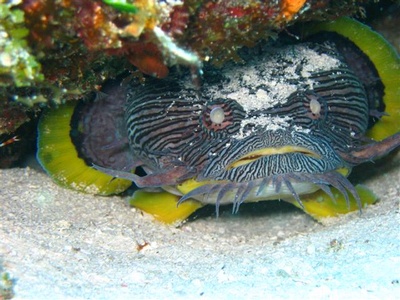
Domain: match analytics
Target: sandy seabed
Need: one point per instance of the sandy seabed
(60, 244)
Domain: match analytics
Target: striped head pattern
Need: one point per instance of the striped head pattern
(285, 124)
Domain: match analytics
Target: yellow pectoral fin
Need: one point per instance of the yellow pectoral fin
(163, 206)
(59, 157)
(320, 205)
(386, 61)
(189, 185)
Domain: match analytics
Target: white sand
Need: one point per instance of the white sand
(60, 244)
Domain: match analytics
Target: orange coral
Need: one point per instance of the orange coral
(144, 55)
(289, 8)
(149, 63)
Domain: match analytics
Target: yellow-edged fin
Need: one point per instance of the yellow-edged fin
(320, 205)
(59, 158)
(386, 61)
(163, 206)
(189, 185)
(344, 171)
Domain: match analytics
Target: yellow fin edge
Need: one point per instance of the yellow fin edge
(386, 61)
(59, 158)
(163, 206)
(320, 205)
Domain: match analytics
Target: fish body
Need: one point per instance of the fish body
(294, 119)
(286, 118)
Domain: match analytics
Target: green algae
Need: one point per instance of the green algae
(17, 65)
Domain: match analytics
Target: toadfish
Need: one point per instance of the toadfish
(291, 122)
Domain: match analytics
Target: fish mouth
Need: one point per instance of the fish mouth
(272, 153)
(300, 164)
(264, 152)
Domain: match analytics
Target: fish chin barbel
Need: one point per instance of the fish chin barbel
(286, 124)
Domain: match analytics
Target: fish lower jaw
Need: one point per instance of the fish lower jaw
(257, 194)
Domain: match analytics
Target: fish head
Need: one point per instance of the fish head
(274, 128)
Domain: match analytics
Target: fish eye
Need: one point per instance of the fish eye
(315, 107)
(217, 115)
(222, 116)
